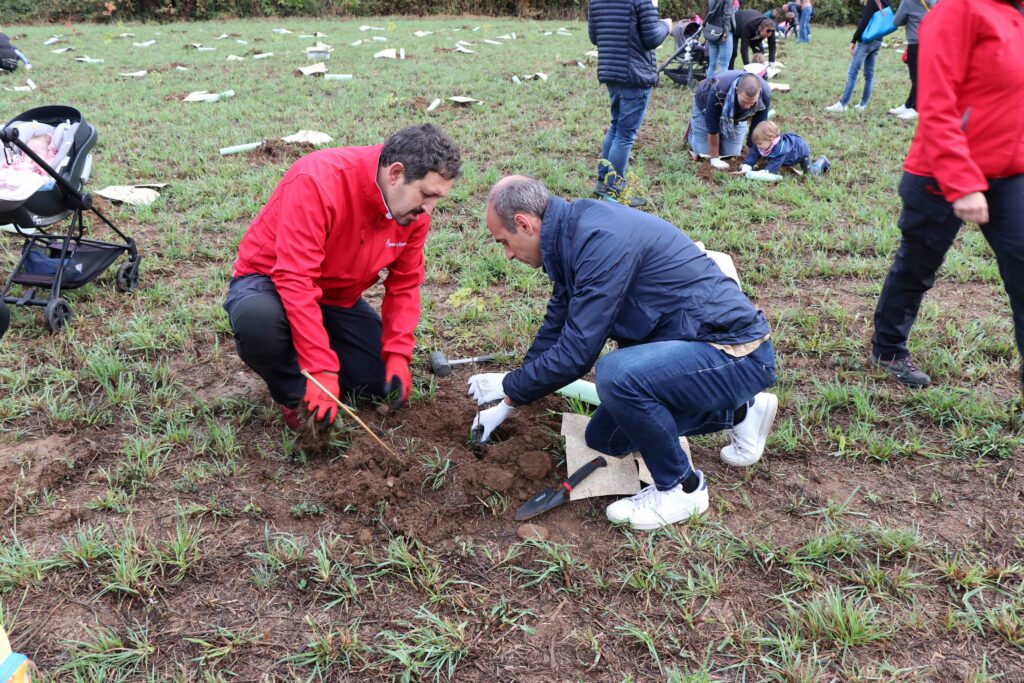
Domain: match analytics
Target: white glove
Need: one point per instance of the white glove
(486, 387)
(491, 419)
(746, 167)
(716, 162)
(763, 175)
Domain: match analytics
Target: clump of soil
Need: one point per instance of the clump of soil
(276, 151)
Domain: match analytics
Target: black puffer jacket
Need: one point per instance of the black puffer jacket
(626, 33)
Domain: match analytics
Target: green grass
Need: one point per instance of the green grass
(187, 537)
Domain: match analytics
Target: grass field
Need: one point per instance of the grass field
(161, 524)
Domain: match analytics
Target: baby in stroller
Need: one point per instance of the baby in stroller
(53, 260)
(10, 55)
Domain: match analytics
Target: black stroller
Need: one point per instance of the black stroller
(688, 65)
(51, 259)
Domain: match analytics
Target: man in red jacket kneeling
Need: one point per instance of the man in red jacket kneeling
(337, 218)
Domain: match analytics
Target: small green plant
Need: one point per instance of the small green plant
(438, 467)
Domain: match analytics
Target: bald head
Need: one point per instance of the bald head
(517, 194)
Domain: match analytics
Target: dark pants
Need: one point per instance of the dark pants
(929, 228)
(651, 394)
(911, 102)
(263, 339)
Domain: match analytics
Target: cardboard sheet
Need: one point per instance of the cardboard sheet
(622, 477)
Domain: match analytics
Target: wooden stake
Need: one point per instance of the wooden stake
(351, 413)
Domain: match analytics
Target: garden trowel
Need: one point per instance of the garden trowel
(556, 495)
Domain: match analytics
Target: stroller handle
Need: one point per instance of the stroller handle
(8, 134)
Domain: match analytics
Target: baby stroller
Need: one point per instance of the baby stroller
(51, 259)
(688, 65)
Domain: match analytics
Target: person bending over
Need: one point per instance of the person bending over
(694, 355)
(724, 108)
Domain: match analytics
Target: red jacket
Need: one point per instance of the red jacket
(970, 96)
(323, 238)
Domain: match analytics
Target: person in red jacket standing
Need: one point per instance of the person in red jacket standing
(966, 163)
(337, 218)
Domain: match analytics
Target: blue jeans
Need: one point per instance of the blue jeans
(651, 394)
(929, 227)
(865, 54)
(719, 54)
(727, 146)
(804, 33)
(628, 106)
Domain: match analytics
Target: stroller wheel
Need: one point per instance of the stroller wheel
(127, 277)
(57, 314)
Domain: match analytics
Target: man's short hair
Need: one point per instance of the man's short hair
(422, 149)
(766, 24)
(749, 85)
(520, 195)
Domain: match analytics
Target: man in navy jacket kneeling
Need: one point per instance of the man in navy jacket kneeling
(694, 355)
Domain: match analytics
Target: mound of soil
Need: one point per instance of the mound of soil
(276, 151)
(492, 479)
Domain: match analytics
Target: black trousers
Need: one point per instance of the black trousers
(929, 228)
(911, 102)
(263, 339)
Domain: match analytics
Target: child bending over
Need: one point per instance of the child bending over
(780, 149)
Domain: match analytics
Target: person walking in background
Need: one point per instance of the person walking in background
(910, 13)
(966, 163)
(719, 19)
(862, 54)
(751, 29)
(804, 32)
(626, 33)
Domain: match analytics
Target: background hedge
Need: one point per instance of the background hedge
(33, 11)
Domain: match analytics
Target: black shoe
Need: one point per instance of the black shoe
(601, 189)
(903, 371)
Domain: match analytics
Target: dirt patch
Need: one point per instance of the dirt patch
(276, 151)
(442, 482)
(28, 467)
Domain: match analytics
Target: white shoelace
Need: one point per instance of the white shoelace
(647, 497)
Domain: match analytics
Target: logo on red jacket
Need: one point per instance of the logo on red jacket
(394, 245)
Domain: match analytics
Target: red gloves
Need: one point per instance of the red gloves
(397, 379)
(321, 406)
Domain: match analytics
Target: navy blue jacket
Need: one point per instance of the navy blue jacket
(626, 33)
(622, 274)
(792, 150)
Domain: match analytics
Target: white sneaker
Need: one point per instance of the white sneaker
(896, 111)
(838, 106)
(909, 115)
(749, 436)
(653, 509)
(860, 107)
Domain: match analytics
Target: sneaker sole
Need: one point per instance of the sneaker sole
(699, 510)
(767, 420)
